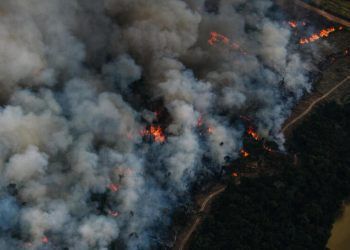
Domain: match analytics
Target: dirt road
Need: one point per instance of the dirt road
(187, 235)
(183, 241)
(312, 105)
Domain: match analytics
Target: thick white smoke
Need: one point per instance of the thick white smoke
(81, 79)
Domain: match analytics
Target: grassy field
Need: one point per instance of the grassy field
(340, 7)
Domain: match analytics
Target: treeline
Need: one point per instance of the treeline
(296, 208)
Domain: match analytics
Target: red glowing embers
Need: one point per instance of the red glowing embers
(44, 240)
(253, 133)
(155, 132)
(216, 37)
(113, 187)
(244, 153)
(316, 36)
(113, 213)
(293, 24)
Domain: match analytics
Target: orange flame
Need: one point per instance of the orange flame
(156, 132)
(316, 36)
(215, 37)
(268, 149)
(210, 130)
(293, 24)
(113, 187)
(113, 213)
(253, 134)
(244, 153)
(44, 240)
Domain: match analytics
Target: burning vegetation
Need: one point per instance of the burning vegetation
(154, 132)
(254, 148)
(44, 240)
(113, 213)
(113, 187)
(253, 133)
(292, 24)
(322, 34)
(244, 153)
(295, 24)
(216, 38)
(81, 146)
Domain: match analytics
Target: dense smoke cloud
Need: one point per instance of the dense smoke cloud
(80, 80)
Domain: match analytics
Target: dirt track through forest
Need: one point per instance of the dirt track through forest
(187, 236)
(313, 104)
(193, 227)
(214, 194)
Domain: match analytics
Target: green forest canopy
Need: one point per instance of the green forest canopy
(296, 208)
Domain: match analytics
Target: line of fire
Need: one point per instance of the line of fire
(252, 156)
(217, 38)
(257, 154)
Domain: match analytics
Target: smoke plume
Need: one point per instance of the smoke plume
(111, 109)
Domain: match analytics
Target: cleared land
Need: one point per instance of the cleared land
(341, 7)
